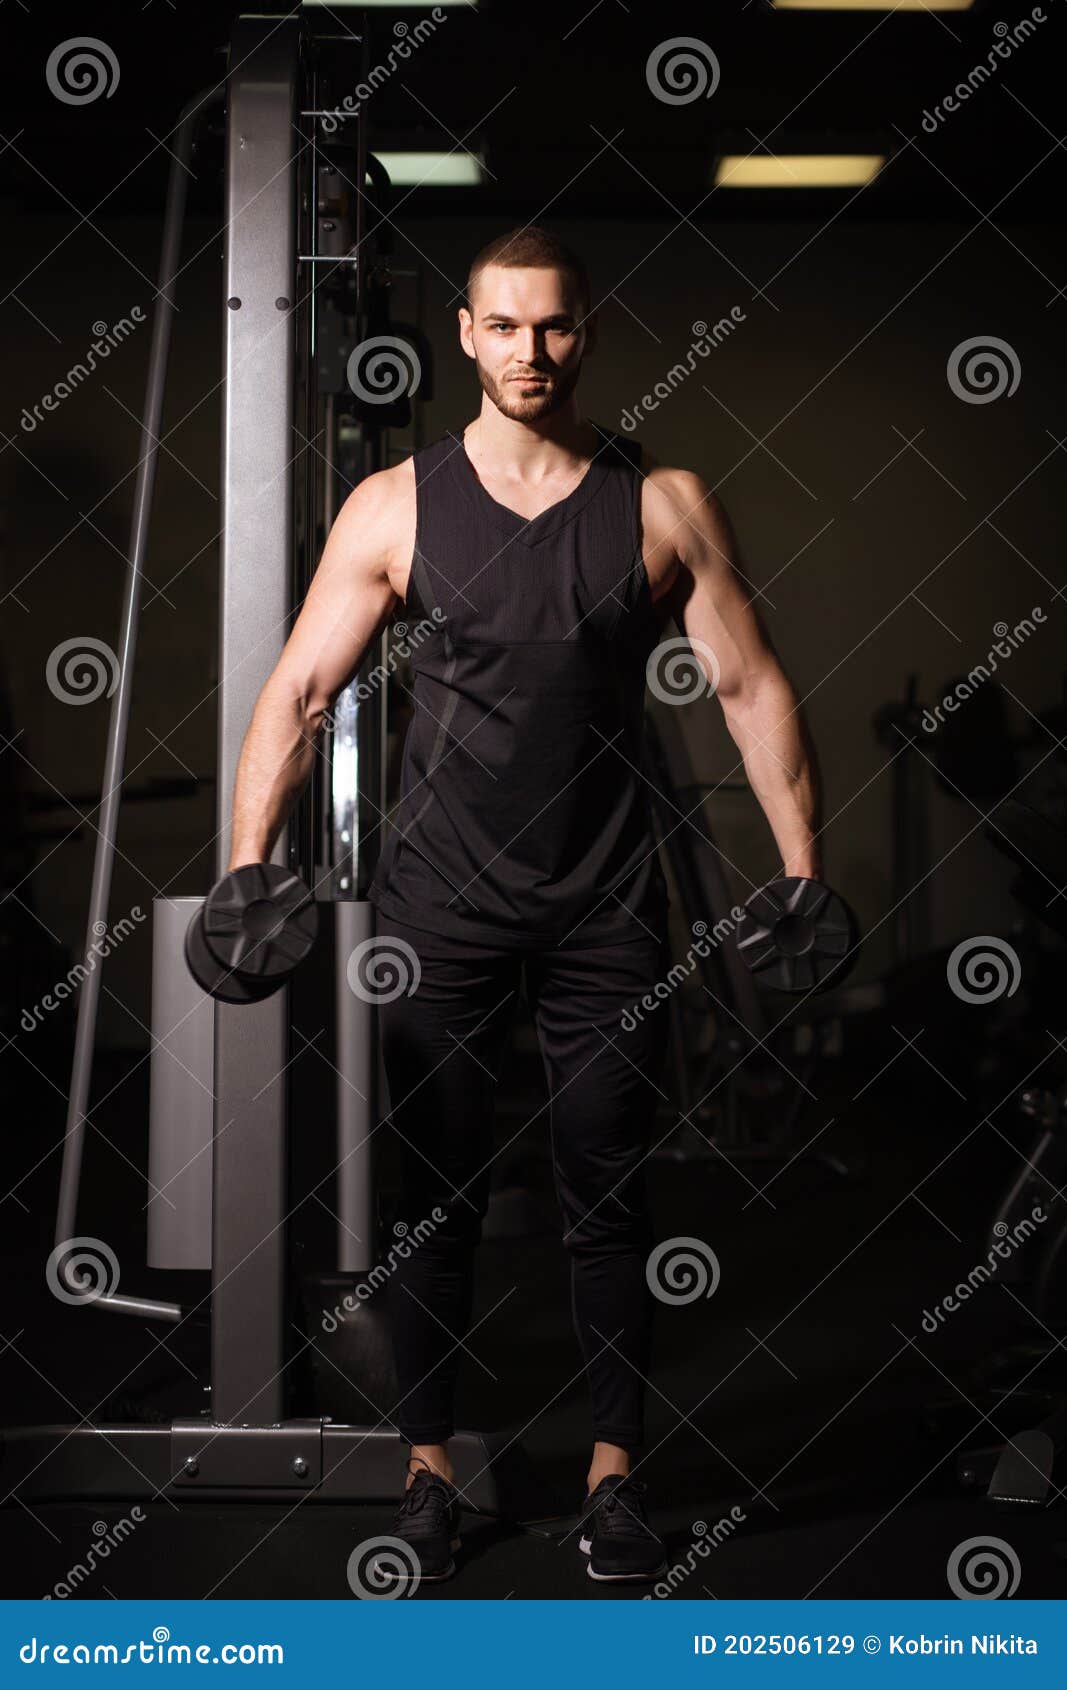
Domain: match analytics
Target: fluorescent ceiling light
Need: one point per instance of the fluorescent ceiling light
(392, 5)
(798, 170)
(432, 170)
(874, 5)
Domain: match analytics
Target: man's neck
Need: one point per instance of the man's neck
(530, 451)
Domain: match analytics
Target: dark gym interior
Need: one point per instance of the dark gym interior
(875, 1374)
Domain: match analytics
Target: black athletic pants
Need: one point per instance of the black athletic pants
(603, 1054)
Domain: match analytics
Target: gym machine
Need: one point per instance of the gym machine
(1024, 1385)
(773, 980)
(305, 281)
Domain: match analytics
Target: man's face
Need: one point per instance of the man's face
(526, 336)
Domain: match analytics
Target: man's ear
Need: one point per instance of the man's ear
(466, 330)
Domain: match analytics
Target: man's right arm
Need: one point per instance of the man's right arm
(347, 605)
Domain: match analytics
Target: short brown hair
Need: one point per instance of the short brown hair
(531, 248)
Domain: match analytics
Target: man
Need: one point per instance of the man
(545, 554)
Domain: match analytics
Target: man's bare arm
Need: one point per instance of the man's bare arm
(347, 604)
(713, 606)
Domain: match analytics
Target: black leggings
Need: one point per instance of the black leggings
(603, 1056)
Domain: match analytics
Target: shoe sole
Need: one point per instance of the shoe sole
(387, 1572)
(585, 1545)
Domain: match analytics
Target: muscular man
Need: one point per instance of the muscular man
(538, 556)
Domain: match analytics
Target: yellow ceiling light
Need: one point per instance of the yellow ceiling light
(797, 170)
(874, 5)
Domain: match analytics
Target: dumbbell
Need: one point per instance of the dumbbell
(797, 935)
(255, 927)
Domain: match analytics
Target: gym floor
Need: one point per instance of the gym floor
(793, 1417)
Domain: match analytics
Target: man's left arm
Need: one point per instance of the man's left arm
(715, 609)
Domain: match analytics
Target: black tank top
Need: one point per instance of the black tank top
(523, 818)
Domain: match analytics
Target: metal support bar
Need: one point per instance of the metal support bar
(118, 726)
(248, 1311)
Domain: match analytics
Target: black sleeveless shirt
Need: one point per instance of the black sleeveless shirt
(523, 818)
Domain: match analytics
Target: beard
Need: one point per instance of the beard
(528, 405)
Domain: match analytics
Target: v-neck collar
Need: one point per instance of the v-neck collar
(531, 531)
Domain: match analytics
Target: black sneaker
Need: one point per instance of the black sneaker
(618, 1539)
(428, 1520)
